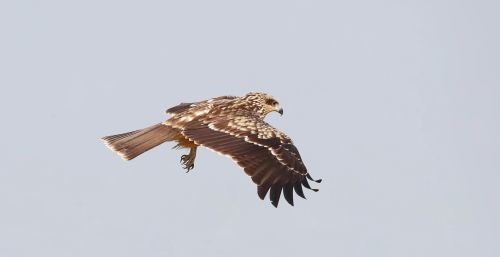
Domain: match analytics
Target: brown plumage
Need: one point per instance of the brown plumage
(232, 126)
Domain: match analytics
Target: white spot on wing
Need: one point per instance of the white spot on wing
(201, 112)
(186, 118)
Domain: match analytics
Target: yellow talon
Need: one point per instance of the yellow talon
(187, 160)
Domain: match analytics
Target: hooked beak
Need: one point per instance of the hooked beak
(280, 111)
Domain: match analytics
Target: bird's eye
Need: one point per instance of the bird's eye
(271, 102)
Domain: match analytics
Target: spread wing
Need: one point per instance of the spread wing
(267, 155)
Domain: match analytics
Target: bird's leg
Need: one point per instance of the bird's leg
(187, 160)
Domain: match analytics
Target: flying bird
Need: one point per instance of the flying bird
(234, 127)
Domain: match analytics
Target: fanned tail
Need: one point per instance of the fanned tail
(132, 144)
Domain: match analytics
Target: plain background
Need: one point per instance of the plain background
(395, 104)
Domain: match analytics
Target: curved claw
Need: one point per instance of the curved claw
(188, 168)
(187, 160)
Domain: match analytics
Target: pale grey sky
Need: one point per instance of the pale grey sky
(395, 104)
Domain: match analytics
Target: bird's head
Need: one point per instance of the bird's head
(264, 103)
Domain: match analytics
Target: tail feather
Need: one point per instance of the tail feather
(131, 144)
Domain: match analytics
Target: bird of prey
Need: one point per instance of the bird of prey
(232, 126)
